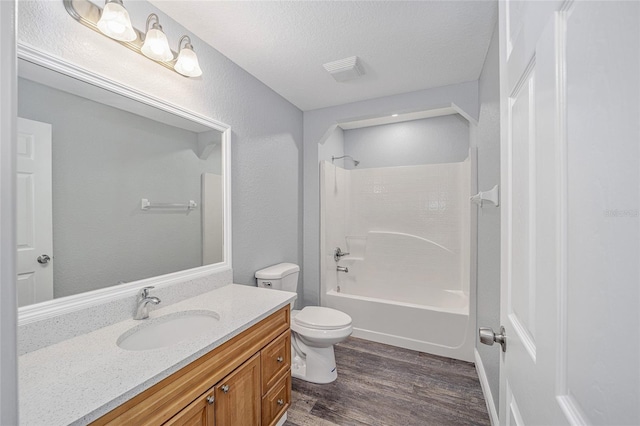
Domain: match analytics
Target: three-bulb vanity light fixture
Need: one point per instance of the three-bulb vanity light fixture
(114, 22)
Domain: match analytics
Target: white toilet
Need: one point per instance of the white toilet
(314, 329)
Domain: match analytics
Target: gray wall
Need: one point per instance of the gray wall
(333, 146)
(488, 143)
(427, 141)
(104, 161)
(266, 144)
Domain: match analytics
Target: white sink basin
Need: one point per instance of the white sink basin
(168, 330)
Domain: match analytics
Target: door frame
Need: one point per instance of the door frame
(8, 301)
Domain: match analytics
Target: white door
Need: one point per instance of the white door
(34, 213)
(570, 158)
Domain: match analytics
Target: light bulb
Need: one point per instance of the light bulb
(156, 45)
(115, 23)
(187, 63)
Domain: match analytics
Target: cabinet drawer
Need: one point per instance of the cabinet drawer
(277, 401)
(276, 359)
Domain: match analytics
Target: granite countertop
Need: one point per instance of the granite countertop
(78, 380)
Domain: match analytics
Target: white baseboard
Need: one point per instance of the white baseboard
(461, 353)
(486, 390)
(282, 419)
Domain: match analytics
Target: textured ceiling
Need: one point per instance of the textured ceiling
(404, 46)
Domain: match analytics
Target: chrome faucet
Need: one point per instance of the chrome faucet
(142, 303)
(338, 253)
(342, 269)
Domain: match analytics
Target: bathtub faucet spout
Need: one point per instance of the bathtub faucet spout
(342, 269)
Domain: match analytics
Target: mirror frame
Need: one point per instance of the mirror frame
(55, 307)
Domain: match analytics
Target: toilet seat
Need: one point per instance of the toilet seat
(320, 327)
(321, 318)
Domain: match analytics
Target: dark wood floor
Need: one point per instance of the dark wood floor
(384, 385)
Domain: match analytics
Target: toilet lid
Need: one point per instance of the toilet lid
(322, 318)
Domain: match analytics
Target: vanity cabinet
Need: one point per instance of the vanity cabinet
(246, 381)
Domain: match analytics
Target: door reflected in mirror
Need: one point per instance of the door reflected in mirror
(110, 190)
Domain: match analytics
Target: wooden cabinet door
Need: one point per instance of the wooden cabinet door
(238, 396)
(199, 413)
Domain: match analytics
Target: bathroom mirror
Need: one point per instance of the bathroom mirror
(116, 189)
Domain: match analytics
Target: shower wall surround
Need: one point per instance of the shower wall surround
(415, 220)
(407, 234)
(406, 229)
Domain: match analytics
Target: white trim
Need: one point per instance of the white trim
(562, 198)
(283, 419)
(571, 409)
(398, 117)
(458, 352)
(8, 254)
(39, 57)
(64, 305)
(504, 51)
(486, 390)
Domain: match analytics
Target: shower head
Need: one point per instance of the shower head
(355, 162)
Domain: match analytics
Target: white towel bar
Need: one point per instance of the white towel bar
(145, 204)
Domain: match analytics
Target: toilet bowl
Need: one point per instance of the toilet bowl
(314, 329)
(314, 332)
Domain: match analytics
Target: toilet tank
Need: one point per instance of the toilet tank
(283, 276)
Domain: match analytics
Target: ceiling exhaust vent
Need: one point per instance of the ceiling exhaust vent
(345, 69)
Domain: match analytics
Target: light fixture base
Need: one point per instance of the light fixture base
(88, 14)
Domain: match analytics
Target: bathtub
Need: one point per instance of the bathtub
(444, 329)
(406, 291)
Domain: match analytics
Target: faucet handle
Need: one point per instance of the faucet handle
(144, 293)
(338, 253)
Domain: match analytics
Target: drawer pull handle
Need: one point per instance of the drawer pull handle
(281, 402)
(280, 359)
(211, 399)
(225, 388)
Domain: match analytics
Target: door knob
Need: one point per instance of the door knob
(43, 259)
(488, 337)
(210, 399)
(225, 388)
